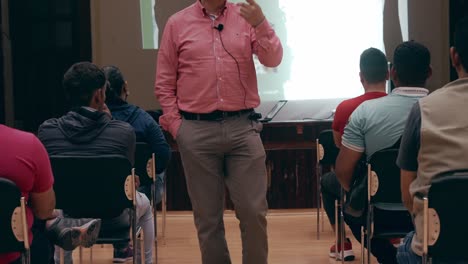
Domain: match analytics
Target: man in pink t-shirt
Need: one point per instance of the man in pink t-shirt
(24, 161)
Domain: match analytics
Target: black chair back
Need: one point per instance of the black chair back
(386, 202)
(142, 155)
(383, 162)
(91, 186)
(10, 199)
(447, 196)
(329, 148)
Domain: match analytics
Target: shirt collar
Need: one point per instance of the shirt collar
(411, 91)
(203, 9)
(89, 108)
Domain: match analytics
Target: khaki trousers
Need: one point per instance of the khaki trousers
(227, 153)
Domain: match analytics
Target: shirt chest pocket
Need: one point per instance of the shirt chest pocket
(239, 45)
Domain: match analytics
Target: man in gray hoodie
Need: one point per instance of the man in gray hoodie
(89, 130)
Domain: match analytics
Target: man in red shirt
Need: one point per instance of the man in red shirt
(207, 87)
(24, 161)
(373, 74)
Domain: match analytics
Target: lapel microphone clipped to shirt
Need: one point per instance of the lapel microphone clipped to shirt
(219, 27)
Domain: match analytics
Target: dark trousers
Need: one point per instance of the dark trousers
(382, 249)
(42, 251)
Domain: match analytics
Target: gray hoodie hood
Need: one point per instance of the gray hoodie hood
(82, 125)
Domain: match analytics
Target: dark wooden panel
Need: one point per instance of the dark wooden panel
(291, 160)
(47, 37)
(458, 10)
(2, 89)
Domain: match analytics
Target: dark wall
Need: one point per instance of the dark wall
(458, 10)
(47, 37)
(2, 89)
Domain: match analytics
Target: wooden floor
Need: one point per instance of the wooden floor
(292, 240)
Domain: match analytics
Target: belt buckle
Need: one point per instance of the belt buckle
(222, 116)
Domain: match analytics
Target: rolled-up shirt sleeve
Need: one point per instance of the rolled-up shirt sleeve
(353, 137)
(166, 80)
(266, 44)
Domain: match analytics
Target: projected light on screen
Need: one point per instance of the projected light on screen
(322, 43)
(149, 28)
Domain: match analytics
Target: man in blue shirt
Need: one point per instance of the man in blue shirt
(378, 124)
(146, 129)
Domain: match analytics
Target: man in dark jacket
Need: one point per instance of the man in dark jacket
(89, 130)
(146, 128)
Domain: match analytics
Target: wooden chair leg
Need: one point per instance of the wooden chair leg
(80, 255)
(369, 234)
(322, 213)
(155, 220)
(91, 255)
(342, 225)
(362, 245)
(337, 252)
(26, 257)
(62, 257)
(141, 240)
(318, 199)
(163, 207)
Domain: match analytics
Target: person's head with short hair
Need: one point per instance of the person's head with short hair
(85, 85)
(117, 84)
(411, 65)
(459, 51)
(373, 67)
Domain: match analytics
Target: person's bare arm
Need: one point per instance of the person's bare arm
(42, 195)
(407, 177)
(345, 165)
(337, 138)
(43, 204)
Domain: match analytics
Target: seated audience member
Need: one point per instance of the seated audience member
(25, 162)
(88, 130)
(146, 129)
(373, 74)
(378, 124)
(434, 142)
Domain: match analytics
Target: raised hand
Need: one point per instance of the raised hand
(251, 12)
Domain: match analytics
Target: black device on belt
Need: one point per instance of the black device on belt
(215, 115)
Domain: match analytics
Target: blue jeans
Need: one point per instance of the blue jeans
(159, 188)
(405, 254)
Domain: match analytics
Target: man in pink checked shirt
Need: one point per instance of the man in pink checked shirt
(207, 87)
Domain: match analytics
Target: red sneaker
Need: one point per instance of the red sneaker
(395, 241)
(347, 253)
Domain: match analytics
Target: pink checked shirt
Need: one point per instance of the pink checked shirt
(194, 72)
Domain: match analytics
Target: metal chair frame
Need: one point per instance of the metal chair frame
(320, 154)
(19, 225)
(372, 190)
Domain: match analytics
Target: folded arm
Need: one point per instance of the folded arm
(345, 166)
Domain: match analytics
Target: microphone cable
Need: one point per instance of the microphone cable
(220, 28)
